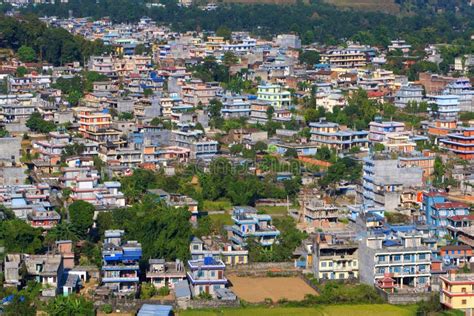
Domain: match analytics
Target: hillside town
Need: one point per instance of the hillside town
(164, 172)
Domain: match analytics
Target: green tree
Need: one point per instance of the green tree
(378, 147)
(21, 71)
(224, 32)
(20, 237)
(26, 54)
(36, 123)
(81, 216)
(309, 57)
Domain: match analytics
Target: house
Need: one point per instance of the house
(335, 257)
(438, 209)
(249, 224)
(161, 273)
(404, 258)
(120, 269)
(235, 106)
(318, 215)
(384, 179)
(343, 59)
(215, 247)
(47, 270)
(274, 94)
(194, 140)
(206, 276)
(408, 94)
(331, 135)
(457, 291)
(444, 107)
(460, 143)
(457, 255)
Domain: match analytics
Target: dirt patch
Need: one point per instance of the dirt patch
(257, 289)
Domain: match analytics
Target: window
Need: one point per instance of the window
(406, 257)
(422, 256)
(323, 264)
(195, 247)
(396, 258)
(464, 302)
(341, 275)
(213, 273)
(330, 264)
(463, 290)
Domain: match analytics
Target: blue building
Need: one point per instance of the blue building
(438, 209)
(249, 224)
(120, 269)
(206, 276)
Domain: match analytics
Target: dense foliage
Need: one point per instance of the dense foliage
(36, 123)
(164, 232)
(315, 21)
(81, 214)
(70, 305)
(27, 34)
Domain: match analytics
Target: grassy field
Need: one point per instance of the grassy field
(220, 205)
(223, 219)
(334, 310)
(273, 210)
(388, 6)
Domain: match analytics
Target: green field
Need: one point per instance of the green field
(274, 210)
(223, 219)
(220, 205)
(333, 310)
(387, 6)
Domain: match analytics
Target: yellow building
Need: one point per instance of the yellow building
(457, 291)
(274, 94)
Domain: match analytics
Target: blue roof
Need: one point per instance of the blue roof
(155, 310)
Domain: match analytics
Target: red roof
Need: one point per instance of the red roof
(375, 94)
(456, 218)
(451, 205)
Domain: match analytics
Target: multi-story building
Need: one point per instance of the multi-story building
(235, 106)
(16, 112)
(384, 179)
(335, 258)
(103, 65)
(463, 89)
(214, 247)
(274, 94)
(206, 276)
(195, 140)
(461, 143)
(51, 150)
(405, 258)
(457, 291)
(259, 112)
(161, 273)
(380, 130)
(249, 224)
(46, 270)
(399, 45)
(197, 93)
(437, 210)
(97, 126)
(344, 59)
(318, 215)
(444, 107)
(408, 93)
(120, 269)
(331, 135)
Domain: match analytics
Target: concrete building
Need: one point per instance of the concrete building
(120, 270)
(444, 107)
(461, 143)
(249, 224)
(331, 135)
(274, 94)
(384, 179)
(457, 291)
(335, 258)
(408, 93)
(217, 248)
(161, 273)
(206, 276)
(407, 261)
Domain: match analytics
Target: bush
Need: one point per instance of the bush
(106, 308)
(164, 291)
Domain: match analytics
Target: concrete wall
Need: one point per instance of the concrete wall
(10, 148)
